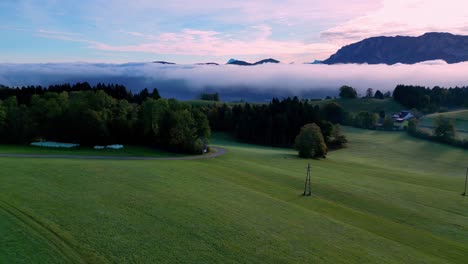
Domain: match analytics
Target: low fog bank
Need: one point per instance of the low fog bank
(256, 83)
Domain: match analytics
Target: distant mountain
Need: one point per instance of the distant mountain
(401, 49)
(164, 62)
(238, 62)
(207, 63)
(270, 60)
(315, 62)
(244, 63)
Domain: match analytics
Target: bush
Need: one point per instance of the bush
(388, 123)
(337, 138)
(310, 142)
(412, 126)
(444, 129)
(348, 119)
(366, 120)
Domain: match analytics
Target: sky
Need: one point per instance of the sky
(181, 31)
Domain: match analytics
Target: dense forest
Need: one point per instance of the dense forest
(104, 114)
(276, 123)
(431, 100)
(110, 114)
(116, 91)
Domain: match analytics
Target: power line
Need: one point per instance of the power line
(466, 182)
(307, 188)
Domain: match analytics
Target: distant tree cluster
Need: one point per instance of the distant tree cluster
(378, 94)
(277, 123)
(365, 120)
(210, 97)
(101, 116)
(348, 92)
(119, 92)
(431, 100)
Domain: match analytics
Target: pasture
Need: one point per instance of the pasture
(127, 151)
(388, 198)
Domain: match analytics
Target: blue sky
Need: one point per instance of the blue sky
(209, 30)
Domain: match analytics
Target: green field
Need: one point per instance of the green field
(388, 198)
(365, 105)
(127, 151)
(459, 119)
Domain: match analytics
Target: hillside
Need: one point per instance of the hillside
(402, 49)
(378, 201)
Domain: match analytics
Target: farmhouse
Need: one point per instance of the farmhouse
(402, 116)
(401, 119)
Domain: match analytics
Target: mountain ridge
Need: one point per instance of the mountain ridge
(404, 49)
(244, 63)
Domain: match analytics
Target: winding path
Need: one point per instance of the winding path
(219, 152)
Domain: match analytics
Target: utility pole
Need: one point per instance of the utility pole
(307, 189)
(466, 182)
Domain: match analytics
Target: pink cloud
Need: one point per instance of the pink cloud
(289, 30)
(204, 43)
(397, 17)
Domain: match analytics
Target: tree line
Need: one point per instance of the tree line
(348, 92)
(431, 100)
(109, 114)
(276, 123)
(104, 114)
(24, 94)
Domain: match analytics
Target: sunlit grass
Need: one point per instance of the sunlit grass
(387, 198)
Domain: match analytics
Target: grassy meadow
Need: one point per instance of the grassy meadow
(127, 151)
(387, 198)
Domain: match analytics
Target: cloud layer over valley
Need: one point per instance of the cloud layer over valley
(258, 83)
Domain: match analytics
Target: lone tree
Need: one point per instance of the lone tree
(348, 92)
(369, 93)
(310, 142)
(444, 129)
(378, 95)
